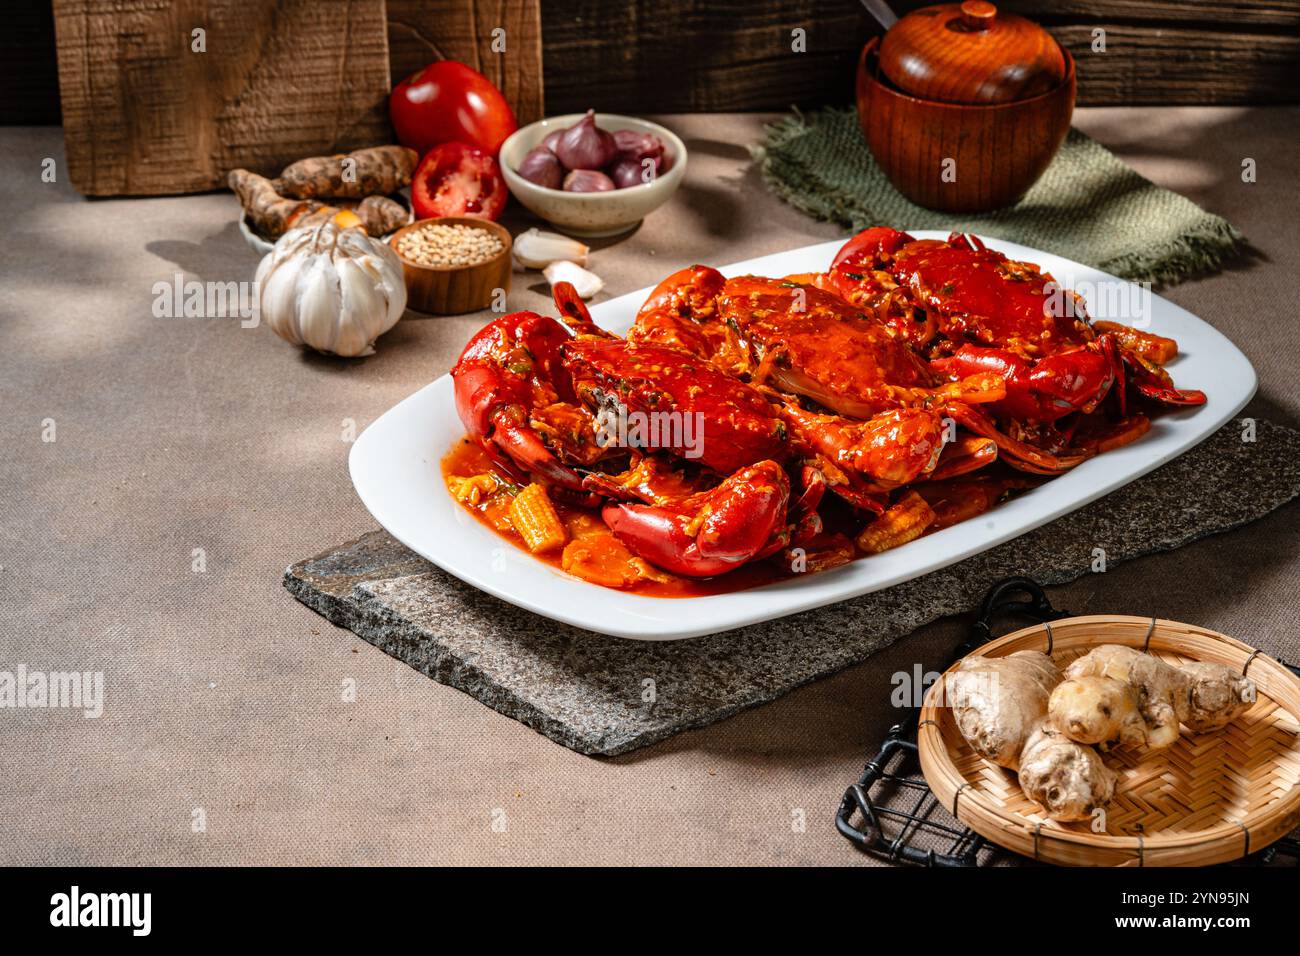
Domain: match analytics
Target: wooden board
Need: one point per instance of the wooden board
(144, 114)
(421, 31)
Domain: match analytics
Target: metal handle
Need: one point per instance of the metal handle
(1019, 597)
(881, 12)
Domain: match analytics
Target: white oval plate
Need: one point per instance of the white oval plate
(395, 468)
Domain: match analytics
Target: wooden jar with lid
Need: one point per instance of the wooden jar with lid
(964, 106)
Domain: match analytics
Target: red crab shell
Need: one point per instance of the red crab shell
(735, 426)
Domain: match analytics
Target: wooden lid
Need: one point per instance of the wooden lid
(970, 53)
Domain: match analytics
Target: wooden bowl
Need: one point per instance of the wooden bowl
(453, 290)
(1209, 798)
(998, 150)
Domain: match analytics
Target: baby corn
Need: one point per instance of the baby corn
(905, 521)
(534, 518)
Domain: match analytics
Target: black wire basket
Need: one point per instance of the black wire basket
(891, 814)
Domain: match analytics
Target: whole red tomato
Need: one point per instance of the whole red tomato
(448, 101)
(458, 180)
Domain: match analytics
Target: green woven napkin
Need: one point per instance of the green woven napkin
(1088, 206)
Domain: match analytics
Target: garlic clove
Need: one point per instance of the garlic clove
(319, 305)
(279, 303)
(586, 283)
(535, 249)
(361, 299)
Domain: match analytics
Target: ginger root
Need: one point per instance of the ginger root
(1000, 706)
(1098, 710)
(1117, 696)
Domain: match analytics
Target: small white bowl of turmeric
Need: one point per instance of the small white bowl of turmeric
(354, 189)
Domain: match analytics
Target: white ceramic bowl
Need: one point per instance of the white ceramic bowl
(591, 214)
(262, 245)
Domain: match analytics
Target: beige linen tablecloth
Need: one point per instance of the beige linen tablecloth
(225, 737)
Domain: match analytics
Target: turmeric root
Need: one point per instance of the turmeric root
(365, 172)
(1117, 696)
(381, 215)
(273, 215)
(1000, 706)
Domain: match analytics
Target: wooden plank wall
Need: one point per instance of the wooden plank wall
(735, 54)
(642, 56)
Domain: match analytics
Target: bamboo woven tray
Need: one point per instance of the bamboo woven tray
(1207, 799)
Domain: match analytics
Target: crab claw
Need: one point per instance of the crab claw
(574, 312)
(892, 448)
(741, 520)
(1037, 391)
(688, 293)
(803, 512)
(868, 248)
(498, 380)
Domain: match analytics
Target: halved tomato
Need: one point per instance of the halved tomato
(458, 180)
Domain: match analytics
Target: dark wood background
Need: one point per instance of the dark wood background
(735, 55)
(648, 56)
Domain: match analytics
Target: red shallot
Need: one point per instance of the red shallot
(585, 145)
(588, 181)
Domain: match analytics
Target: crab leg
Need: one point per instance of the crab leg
(963, 455)
(741, 520)
(1018, 454)
(1040, 391)
(574, 313)
(1154, 383)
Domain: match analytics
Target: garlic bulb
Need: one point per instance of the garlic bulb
(334, 289)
